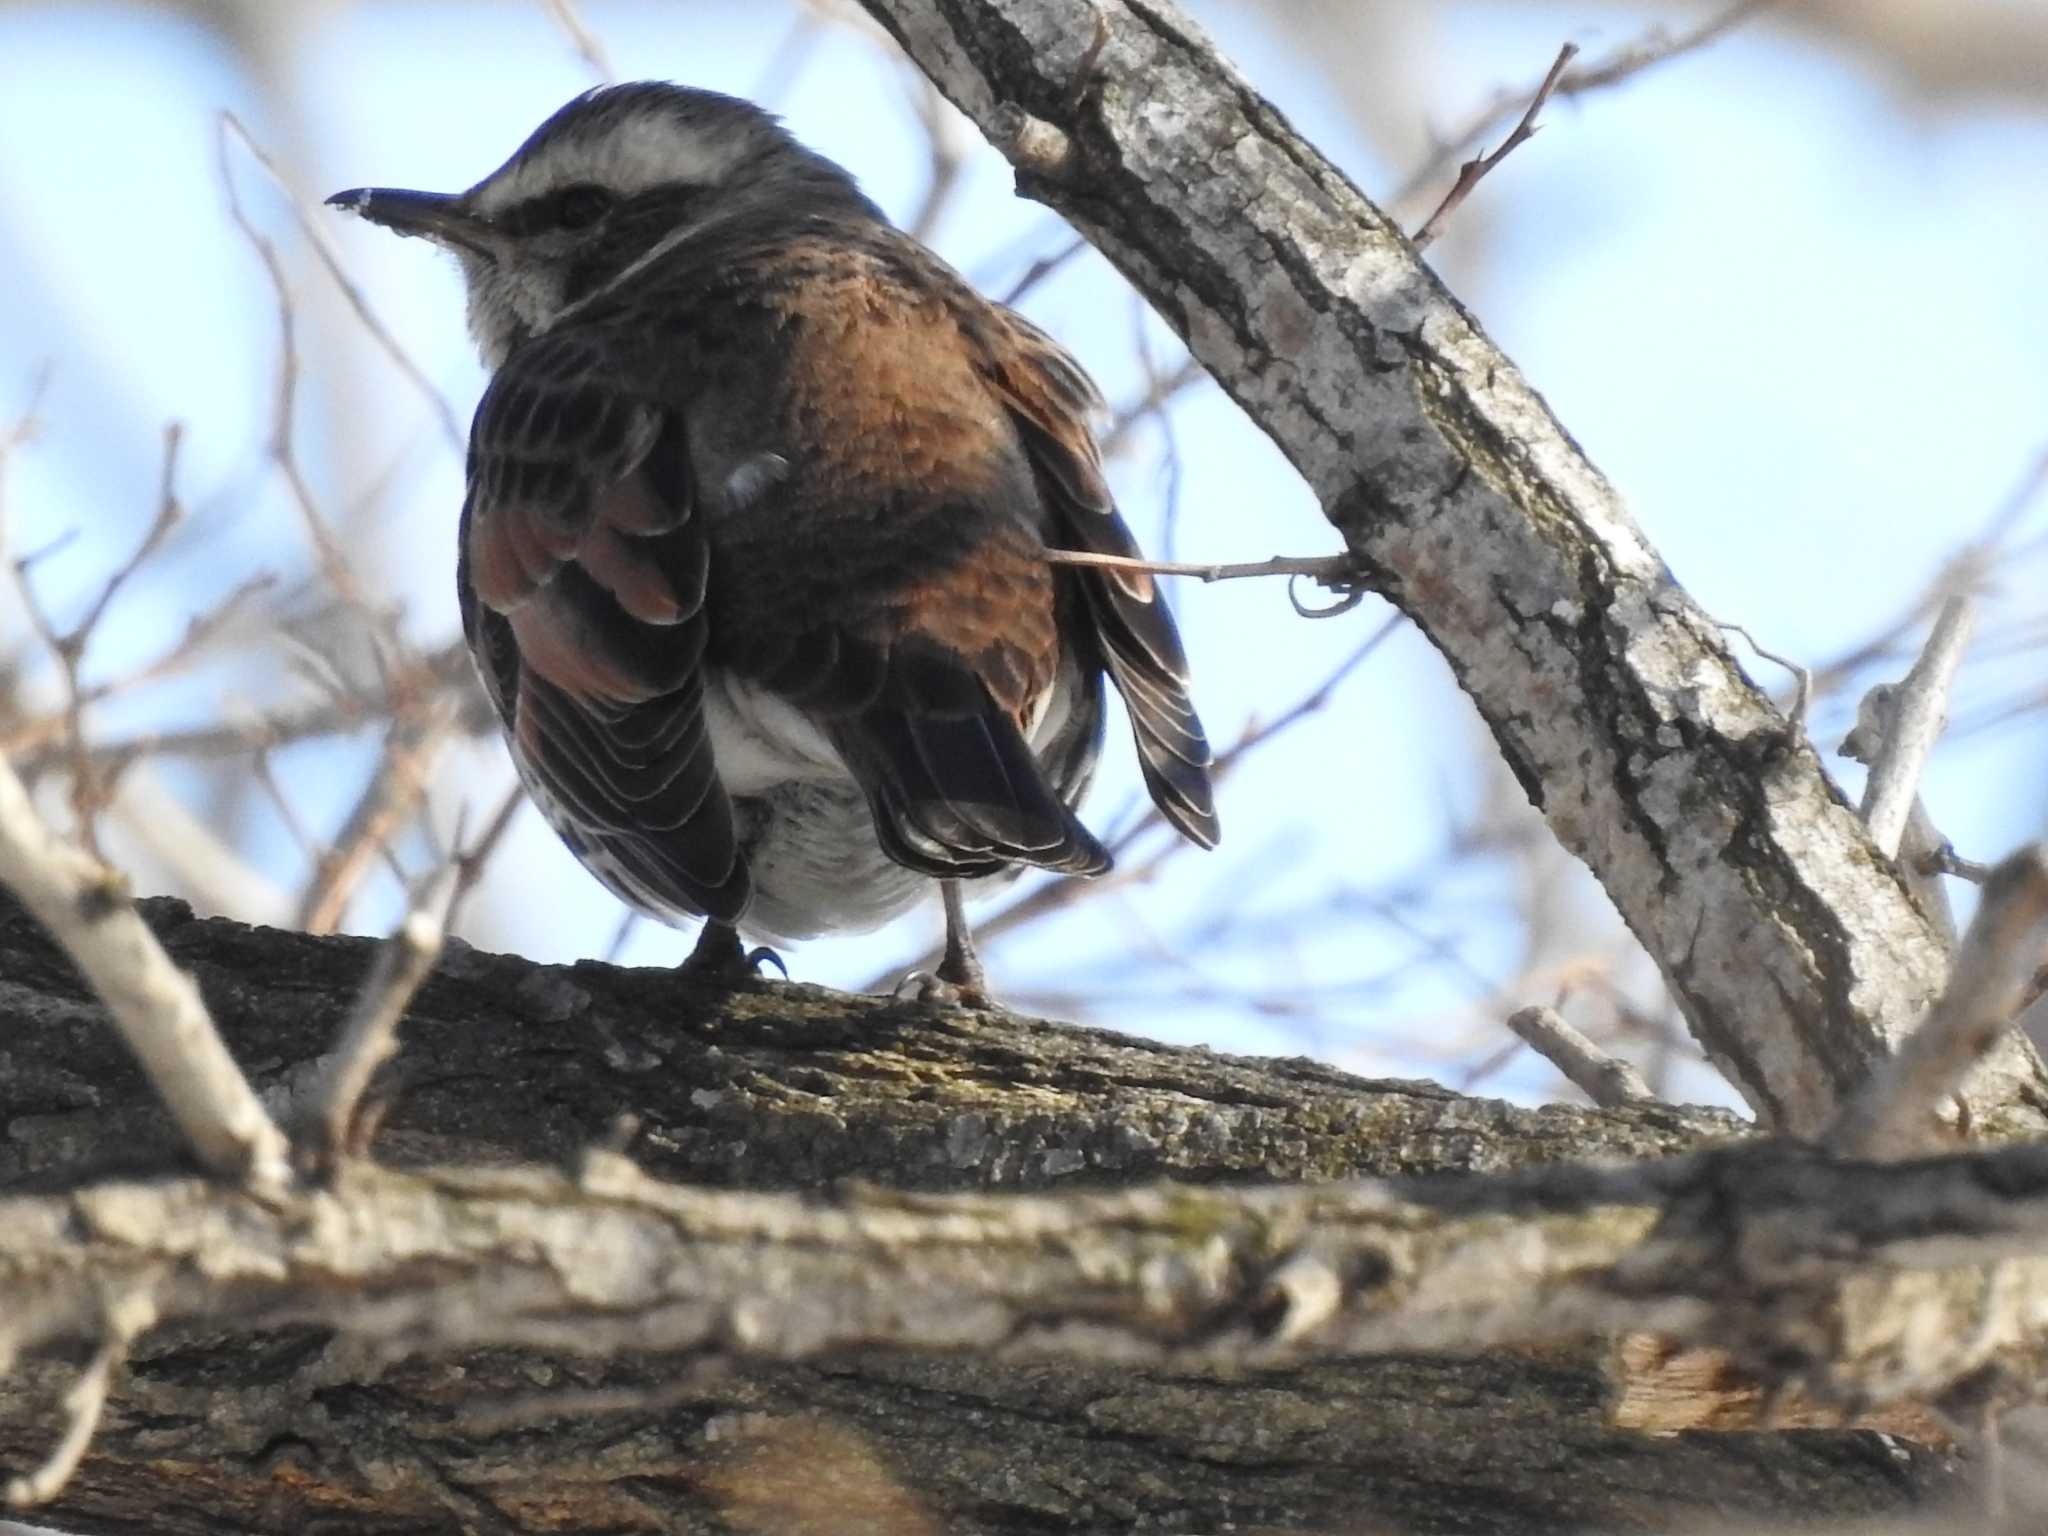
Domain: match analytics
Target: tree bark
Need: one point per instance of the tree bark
(1791, 944)
(302, 1425)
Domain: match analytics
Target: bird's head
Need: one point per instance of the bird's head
(619, 175)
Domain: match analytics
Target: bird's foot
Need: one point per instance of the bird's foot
(720, 956)
(934, 987)
(959, 981)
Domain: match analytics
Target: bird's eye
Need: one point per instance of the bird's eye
(580, 206)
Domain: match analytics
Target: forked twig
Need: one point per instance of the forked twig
(334, 562)
(89, 789)
(1043, 267)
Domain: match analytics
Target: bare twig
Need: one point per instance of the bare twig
(2032, 481)
(1991, 548)
(107, 762)
(403, 963)
(470, 862)
(1338, 572)
(947, 141)
(1607, 1080)
(1328, 569)
(127, 1316)
(1924, 855)
(1920, 710)
(1891, 1117)
(369, 1037)
(315, 231)
(1161, 390)
(444, 668)
(334, 563)
(89, 792)
(168, 512)
(589, 48)
(394, 792)
(1944, 860)
(1656, 48)
(1802, 678)
(155, 1005)
(1474, 171)
(1335, 573)
(1042, 268)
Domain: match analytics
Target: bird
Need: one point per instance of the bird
(752, 559)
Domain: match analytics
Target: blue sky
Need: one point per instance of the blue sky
(1794, 314)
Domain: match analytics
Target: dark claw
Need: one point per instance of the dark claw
(719, 956)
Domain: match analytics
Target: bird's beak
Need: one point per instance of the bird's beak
(442, 217)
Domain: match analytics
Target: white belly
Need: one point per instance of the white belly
(816, 865)
(761, 741)
(803, 821)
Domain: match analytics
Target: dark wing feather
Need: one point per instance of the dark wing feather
(1053, 403)
(582, 575)
(954, 787)
(924, 677)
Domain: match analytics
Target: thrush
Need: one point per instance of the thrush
(753, 555)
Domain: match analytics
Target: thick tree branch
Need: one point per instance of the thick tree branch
(1862, 1281)
(257, 1414)
(775, 1086)
(1797, 955)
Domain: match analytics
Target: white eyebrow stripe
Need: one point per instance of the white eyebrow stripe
(642, 152)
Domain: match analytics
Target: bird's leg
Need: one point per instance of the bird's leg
(961, 968)
(719, 954)
(959, 980)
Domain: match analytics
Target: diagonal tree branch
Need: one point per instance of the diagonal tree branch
(1797, 956)
(155, 1005)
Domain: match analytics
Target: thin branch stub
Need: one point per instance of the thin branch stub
(1335, 573)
